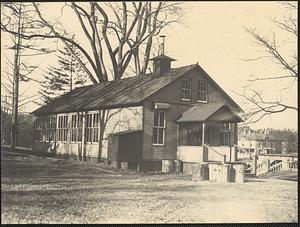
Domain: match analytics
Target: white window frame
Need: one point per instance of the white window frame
(198, 91)
(159, 127)
(77, 128)
(184, 89)
(38, 122)
(47, 122)
(62, 128)
(93, 128)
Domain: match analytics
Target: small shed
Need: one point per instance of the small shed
(125, 148)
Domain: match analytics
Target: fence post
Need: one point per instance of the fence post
(268, 165)
(254, 165)
(224, 159)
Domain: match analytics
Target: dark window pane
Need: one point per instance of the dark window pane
(155, 118)
(161, 118)
(160, 135)
(190, 134)
(155, 136)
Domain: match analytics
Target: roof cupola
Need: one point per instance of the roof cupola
(161, 63)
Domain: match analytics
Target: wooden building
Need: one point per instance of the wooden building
(172, 114)
(257, 143)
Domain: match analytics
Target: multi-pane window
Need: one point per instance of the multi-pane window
(62, 129)
(186, 89)
(225, 134)
(201, 91)
(50, 125)
(92, 127)
(39, 129)
(190, 134)
(159, 127)
(76, 128)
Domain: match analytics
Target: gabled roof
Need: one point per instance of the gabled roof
(219, 88)
(207, 112)
(113, 94)
(126, 92)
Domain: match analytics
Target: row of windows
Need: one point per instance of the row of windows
(201, 90)
(191, 134)
(45, 128)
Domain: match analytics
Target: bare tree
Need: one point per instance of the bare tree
(17, 17)
(124, 31)
(287, 61)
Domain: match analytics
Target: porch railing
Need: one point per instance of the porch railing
(293, 166)
(276, 167)
(223, 157)
(280, 166)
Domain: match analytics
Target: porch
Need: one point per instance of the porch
(207, 133)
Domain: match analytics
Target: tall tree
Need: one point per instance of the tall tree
(122, 30)
(64, 77)
(283, 57)
(118, 34)
(18, 18)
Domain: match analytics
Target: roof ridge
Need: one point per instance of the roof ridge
(130, 77)
(114, 93)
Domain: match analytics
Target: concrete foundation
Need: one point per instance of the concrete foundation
(124, 165)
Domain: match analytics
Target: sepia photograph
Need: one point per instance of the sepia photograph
(135, 112)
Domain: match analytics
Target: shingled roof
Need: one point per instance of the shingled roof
(204, 112)
(113, 94)
(131, 91)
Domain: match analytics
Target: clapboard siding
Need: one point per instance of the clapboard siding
(129, 118)
(168, 150)
(172, 94)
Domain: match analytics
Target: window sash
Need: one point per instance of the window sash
(186, 89)
(159, 125)
(202, 89)
(76, 128)
(50, 125)
(44, 129)
(62, 128)
(92, 128)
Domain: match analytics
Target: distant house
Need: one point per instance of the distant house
(260, 144)
(171, 114)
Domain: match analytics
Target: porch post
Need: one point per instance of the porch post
(203, 133)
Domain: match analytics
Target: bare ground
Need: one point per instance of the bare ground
(49, 190)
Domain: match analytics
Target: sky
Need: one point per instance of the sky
(212, 34)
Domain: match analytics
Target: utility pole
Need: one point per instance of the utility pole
(14, 125)
(71, 76)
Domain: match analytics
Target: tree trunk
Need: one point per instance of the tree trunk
(102, 125)
(16, 89)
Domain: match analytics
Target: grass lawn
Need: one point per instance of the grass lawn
(48, 190)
